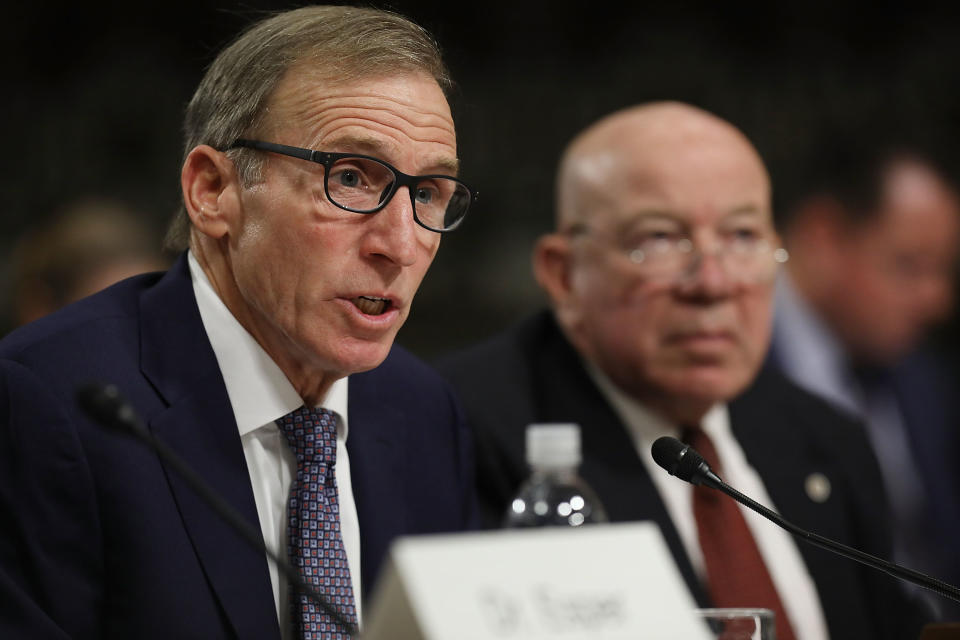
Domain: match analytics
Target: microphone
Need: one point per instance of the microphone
(682, 461)
(105, 405)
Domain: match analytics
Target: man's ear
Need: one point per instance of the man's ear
(552, 267)
(210, 190)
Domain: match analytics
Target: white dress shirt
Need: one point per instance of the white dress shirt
(259, 394)
(808, 351)
(777, 548)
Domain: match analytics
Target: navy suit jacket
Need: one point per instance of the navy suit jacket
(99, 538)
(532, 374)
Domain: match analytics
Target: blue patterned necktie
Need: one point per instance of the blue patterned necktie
(314, 543)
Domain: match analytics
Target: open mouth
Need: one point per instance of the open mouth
(371, 306)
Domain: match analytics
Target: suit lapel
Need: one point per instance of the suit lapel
(783, 449)
(778, 445)
(611, 465)
(376, 454)
(198, 424)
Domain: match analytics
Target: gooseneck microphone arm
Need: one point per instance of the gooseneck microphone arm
(105, 405)
(682, 461)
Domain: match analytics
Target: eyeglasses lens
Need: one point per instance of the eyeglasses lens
(363, 185)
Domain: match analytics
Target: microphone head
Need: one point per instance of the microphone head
(677, 458)
(104, 404)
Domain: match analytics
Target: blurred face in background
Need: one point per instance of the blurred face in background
(895, 272)
(86, 247)
(664, 275)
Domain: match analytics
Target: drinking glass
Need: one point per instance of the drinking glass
(738, 624)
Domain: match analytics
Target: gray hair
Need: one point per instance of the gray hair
(341, 44)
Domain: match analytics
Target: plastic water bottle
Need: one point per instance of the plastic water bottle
(554, 495)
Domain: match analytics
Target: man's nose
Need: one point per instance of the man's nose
(393, 232)
(707, 275)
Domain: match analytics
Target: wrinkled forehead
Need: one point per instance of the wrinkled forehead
(309, 86)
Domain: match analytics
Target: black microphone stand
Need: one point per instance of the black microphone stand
(920, 579)
(104, 404)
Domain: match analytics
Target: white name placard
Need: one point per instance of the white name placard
(599, 582)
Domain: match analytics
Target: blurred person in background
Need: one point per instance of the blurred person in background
(873, 234)
(87, 246)
(661, 276)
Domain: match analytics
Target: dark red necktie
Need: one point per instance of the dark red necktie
(736, 574)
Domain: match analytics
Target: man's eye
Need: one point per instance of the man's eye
(426, 195)
(347, 178)
(745, 233)
(744, 240)
(350, 177)
(659, 236)
(649, 239)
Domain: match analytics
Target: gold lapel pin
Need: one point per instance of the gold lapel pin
(818, 487)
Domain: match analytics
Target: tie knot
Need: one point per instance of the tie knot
(311, 434)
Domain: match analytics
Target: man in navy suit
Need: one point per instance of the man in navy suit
(874, 240)
(661, 274)
(318, 177)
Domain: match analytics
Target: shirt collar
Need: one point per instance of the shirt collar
(645, 425)
(258, 390)
(806, 348)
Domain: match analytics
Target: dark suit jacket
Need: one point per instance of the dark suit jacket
(100, 539)
(922, 389)
(532, 374)
(925, 390)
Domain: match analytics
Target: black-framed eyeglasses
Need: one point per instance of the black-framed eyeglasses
(364, 184)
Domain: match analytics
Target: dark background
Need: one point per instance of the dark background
(93, 99)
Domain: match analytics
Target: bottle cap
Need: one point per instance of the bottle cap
(553, 445)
